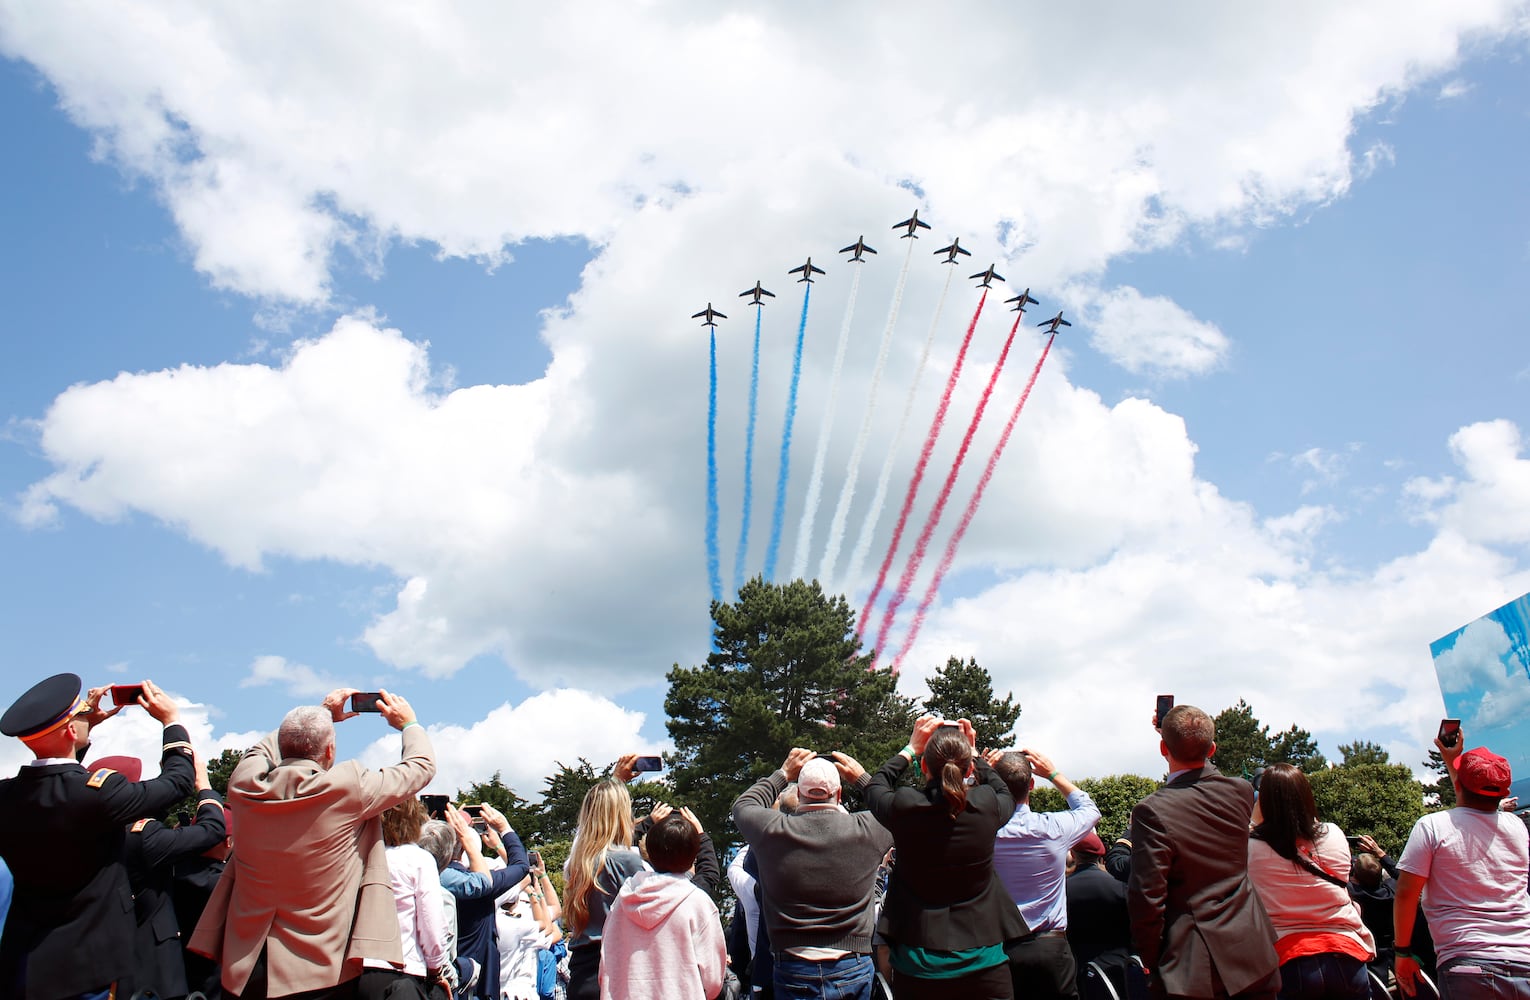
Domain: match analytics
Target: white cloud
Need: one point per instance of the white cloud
(297, 679)
(1454, 88)
(525, 742)
(1151, 333)
(1492, 504)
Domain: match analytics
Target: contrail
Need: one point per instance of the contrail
(778, 515)
(714, 569)
(825, 425)
(754, 399)
(972, 505)
(879, 498)
(852, 472)
(922, 544)
(924, 460)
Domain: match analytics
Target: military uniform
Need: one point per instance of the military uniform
(151, 854)
(71, 927)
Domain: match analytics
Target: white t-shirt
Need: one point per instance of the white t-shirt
(519, 941)
(1478, 867)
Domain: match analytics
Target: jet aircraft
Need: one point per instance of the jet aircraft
(1022, 300)
(757, 291)
(1055, 322)
(807, 271)
(860, 247)
(952, 250)
(711, 316)
(987, 276)
(913, 225)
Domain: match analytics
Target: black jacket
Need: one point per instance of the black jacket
(71, 928)
(1097, 917)
(150, 854)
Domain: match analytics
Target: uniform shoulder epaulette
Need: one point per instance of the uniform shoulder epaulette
(138, 826)
(99, 775)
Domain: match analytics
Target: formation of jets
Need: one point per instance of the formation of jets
(952, 250)
(860, 247)
(757, 295)
(987, 276)
(807, 271)
(756, 291)
(711, 315)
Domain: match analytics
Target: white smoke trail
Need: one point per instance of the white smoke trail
(825, 426)
(879, 498)
(852, 471)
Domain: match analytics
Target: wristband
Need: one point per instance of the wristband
(1404, 952)
(1052, 777)
(411, 722)
(908, 751)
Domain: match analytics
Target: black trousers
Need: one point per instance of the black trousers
(987, 984)
(1041, 967)
(256, 988)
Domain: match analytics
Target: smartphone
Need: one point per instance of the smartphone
(1165, 702)
(1354, 843)
(535, 857)
(473, 812)
(365, 701)
(126, 694)
(648, 764)
(1450, 731)
(481, 825)
(435, 805)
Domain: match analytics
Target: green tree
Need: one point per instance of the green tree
(1242, 741)
(1117, 795)
(1441, 794)
(561, 800)
(221, 767)
(525, 817)
(1296, 746)
(1382, 800)
(785, 671)
(1362, 752)
(964, 690)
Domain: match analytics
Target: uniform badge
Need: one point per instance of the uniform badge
(99, 776)
(138, 826)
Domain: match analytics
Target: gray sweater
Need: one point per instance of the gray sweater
(817, 868)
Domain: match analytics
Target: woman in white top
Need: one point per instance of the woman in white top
(1300, 868)
(417, 897)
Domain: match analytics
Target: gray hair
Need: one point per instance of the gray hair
(306, 732)
(440, 842)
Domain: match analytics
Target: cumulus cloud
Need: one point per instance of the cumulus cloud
(1153, 334)
(1490, 505)
(297, 679)
(526, 742)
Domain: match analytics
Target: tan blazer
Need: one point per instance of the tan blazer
(308, 880)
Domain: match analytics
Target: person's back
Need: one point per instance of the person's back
(1197, 923)
(663, 938)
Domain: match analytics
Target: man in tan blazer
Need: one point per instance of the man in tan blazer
(306, 895)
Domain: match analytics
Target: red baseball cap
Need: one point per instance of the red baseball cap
(1483, 772)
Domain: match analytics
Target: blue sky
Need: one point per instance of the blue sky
(1277, 454)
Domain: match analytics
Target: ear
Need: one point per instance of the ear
(1163, 749)
(1211, 751)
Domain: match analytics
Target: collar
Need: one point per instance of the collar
(50, 761)
(821, 807)
(1176, 775)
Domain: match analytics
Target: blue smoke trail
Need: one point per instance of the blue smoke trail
(714, 571)
(754, 399)
(778, 515)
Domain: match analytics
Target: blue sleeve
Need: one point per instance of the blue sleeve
(465, 884)
(517, 865)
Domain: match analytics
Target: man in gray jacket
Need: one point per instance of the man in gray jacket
(818, 868)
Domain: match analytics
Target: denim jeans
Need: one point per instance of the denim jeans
(1481, 979)
(1329, 976)
(847, 978)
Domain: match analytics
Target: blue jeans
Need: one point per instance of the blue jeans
(847, 978)
(1484, 979)
(1329, 976)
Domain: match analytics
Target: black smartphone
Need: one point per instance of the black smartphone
(365, 701)
(648, 764)
(1165, 702)
(1450, 731)
(126, 694)
(535, 857)
(474, 811)
(435, 805)
(1354, 843)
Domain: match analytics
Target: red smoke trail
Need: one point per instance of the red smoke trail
(913, 486)
(972, 505)
(922, 545)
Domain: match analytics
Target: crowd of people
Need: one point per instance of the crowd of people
(319, 878)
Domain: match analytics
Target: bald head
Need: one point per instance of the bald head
(307, 732)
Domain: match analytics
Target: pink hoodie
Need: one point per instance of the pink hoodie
(663, 940)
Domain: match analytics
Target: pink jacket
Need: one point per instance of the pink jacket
(663, 940)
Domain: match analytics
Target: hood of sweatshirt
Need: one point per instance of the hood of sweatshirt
(648, 898)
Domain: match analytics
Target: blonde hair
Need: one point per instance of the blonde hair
(605, 821)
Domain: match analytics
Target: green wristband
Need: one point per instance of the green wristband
(411, 722)
(1052, 777)
(908, 752)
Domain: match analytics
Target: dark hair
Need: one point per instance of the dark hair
(1188, 732)
(947, 756)
(672, 843)
(1290, 814)
(1015, 769)
(1366, 871)
(401, 824)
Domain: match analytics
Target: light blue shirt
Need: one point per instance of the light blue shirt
(466, 885)
(1031, 856)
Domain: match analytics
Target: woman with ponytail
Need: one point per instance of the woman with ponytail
(946, 916)
(601, 860)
